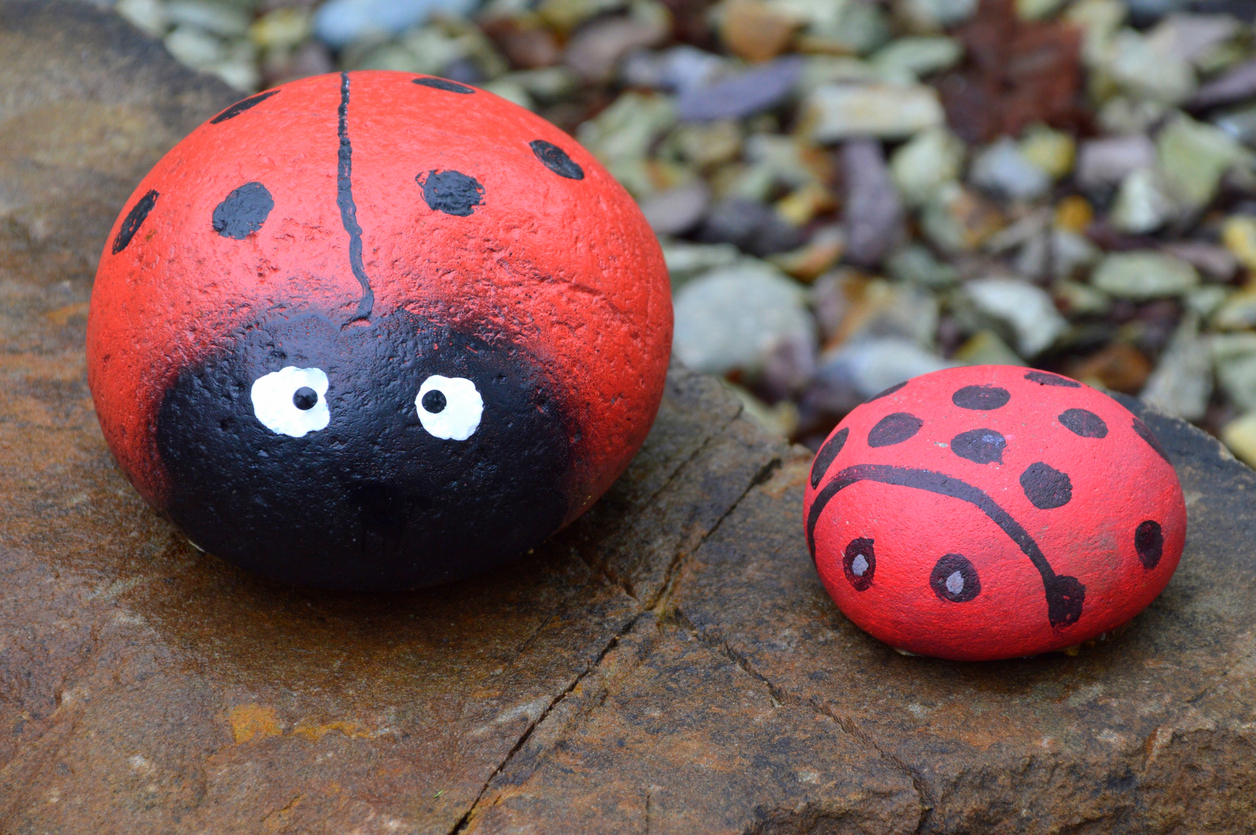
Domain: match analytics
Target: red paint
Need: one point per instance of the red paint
(1118, 482)
(567, 269)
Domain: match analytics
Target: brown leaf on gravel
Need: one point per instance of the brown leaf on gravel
(1120, 367)
(1015, 73)
(690, 23)
(526, 44)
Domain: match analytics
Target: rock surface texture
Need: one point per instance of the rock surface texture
(669, 663)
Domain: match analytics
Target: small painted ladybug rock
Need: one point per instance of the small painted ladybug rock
(992, 512)
(377, 331)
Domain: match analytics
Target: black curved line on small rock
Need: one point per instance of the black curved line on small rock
(1144, 431)
(241, 106)
(1065, 595)
(1046, 378)
(444, 84)
(134, 220)
(886, 392)
(344, 199)
(828, 452)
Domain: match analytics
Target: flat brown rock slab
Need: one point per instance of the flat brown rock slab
(669, 663)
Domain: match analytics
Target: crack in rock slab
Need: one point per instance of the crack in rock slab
(670, 733)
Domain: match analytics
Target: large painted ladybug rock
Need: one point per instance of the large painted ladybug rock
(377, 331)
(992, 512)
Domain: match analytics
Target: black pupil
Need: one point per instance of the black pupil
(304, 398)
(434, 401)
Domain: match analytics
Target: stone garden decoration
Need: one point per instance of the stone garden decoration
(377, 331)
(993, 512)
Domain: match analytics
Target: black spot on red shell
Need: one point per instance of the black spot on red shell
(1147, 435)
(1065, 598)
(241, 106)
(1149, 543)
(134, 220)
(445, 84)
(1084, 423)
(886, 392)
(243, 211)
(982, 446)
(555, 159)
(860, 563)
(451, 192)
(894, 429)
(981, 398)
(1045, 378)
(828, 451)
(1046, 487)
(954, 579)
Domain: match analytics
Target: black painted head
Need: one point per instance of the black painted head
(384, 456)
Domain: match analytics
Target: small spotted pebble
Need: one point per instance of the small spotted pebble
(992, 512)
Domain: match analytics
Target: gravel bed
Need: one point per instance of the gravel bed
(850, 193)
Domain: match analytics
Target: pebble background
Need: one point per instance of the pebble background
(850, 192)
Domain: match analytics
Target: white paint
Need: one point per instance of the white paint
(955, 583)
(859, 565)
(272, 401)
(463, 408)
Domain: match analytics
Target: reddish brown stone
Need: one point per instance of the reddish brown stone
(1120, 366)
(1016, 73)
(527, 44)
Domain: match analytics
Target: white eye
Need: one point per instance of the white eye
(449, 407)
(292, 401)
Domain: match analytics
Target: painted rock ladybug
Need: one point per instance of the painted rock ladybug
(992, 512)
(377, 331)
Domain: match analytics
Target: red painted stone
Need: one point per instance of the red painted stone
(373, 330)
(992, 512)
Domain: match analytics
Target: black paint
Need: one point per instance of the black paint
(886, 392)
(828, 451)
(434, 401)
(556, 159)
(1149, 543)
(243, 211)
(1046, 487)
(451, 192)
(861, 547)
(1147, 435)
(372, 501)
(344, 200)
(1044, 378)
(241, 106)
(981, 398)
(1065, 595)
(942, 572)
(445, 84)
(134, 220)
(305, 398)
(981, 446)
(894, 429)
(1085, 423)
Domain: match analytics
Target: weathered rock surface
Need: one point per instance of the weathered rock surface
(669, 663)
